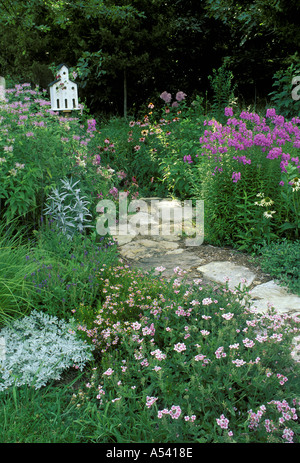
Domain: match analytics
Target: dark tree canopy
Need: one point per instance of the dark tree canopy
(137, 49)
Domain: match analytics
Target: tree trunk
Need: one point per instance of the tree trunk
(125, 94)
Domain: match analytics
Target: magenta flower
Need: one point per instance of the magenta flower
(187, 158)
(236, 176)
(228, 112)
(91, 125)
(271, 112)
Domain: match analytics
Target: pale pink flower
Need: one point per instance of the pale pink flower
(175, 412)
(150, 401)
(222, 422)
(180, 96)
(167, 97)
(179, 347)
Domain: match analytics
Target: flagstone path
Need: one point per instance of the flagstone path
(143, 244)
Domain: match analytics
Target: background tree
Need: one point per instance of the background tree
(127, 52)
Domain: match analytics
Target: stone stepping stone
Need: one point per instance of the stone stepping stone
(218, 271)
(141, 248)
(270, 293)
(172, 259)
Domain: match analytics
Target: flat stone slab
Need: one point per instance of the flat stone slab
(123, 239)
(271, 294)
(171, 260)
(146, 248)
(219, 271)
(141, 218)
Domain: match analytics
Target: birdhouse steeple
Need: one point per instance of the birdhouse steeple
(63, 91)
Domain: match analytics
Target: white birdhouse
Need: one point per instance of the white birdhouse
(63, 92)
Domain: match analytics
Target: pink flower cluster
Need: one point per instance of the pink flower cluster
(179, 347)
(223, 422)
(287, 414)
(219, 353)
(174, 412)
(167, 97)
(150, 401)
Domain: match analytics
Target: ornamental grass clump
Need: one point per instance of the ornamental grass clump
(193, 364)
(39, 348)
(15, 292)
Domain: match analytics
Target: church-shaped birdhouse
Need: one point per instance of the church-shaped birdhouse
(63, 91)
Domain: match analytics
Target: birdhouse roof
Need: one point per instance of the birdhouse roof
(57, 70)
(61, 65)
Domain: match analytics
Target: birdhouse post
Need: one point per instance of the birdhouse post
(63, 92)
(2, 89)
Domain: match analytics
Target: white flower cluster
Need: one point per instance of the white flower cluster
(38, 348)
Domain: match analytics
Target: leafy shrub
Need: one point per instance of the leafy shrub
(40, 147)
(70, 278)
(68, 209)
(281, 98)
(223, 91)
(281, 260)
(38, 349)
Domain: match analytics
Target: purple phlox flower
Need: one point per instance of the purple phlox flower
(187, 158)
(236, 176)
(271, 112)
(180, 96)
(167, 97)
(91, 125)
(274, 153)
(228, 112)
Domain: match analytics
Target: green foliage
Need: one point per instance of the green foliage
(156, 342)
(152, 337)
(281, 260)
(39, 149)
(282, 97)
(15, 292)
(223, 91)
(42, 415)
(68, 209)
(71, 277)
(234, 170)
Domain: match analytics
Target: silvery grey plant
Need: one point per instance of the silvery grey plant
(68, 209)
(38, 348)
